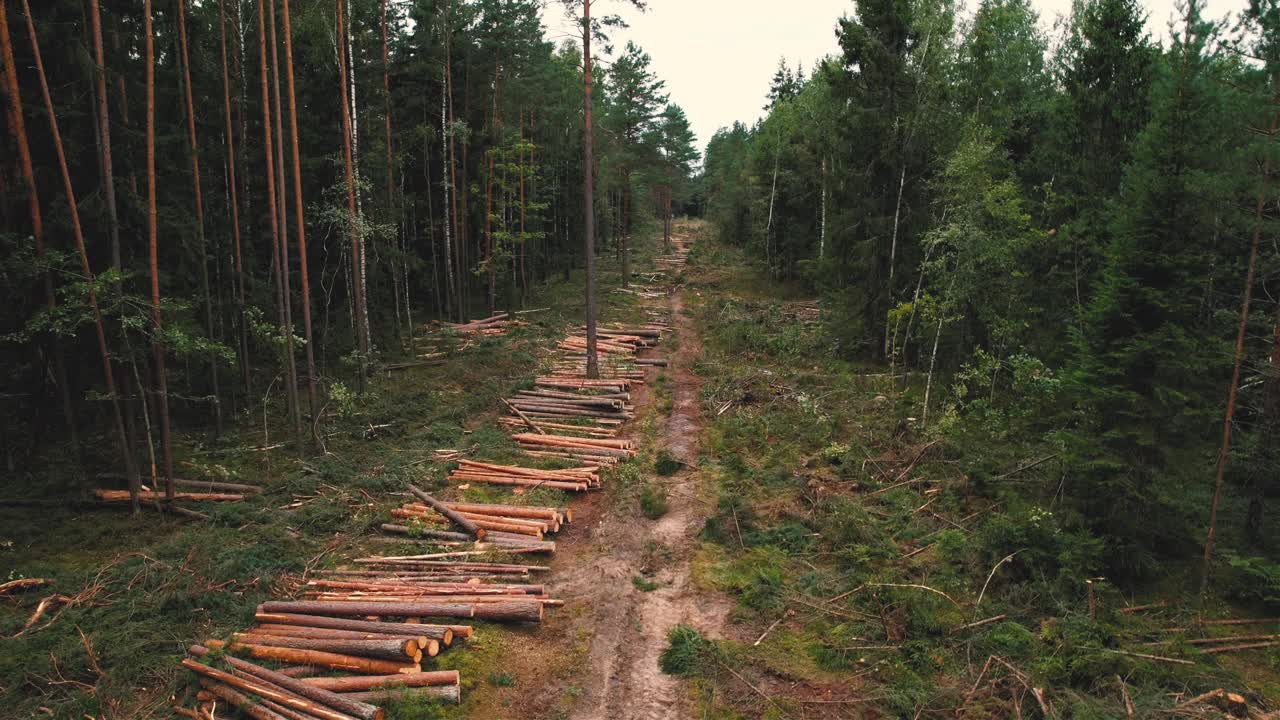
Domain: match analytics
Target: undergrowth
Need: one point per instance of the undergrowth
(934, 571)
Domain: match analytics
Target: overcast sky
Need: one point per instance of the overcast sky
(717, 56)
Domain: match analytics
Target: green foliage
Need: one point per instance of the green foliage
(687, 653)
(644, 584)
(653, 501)
(1254, 579)
(665, 465)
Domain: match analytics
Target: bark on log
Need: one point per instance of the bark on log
(123, 496)
(475, 531)
(393, 649)
(451, 694)
(268, 691)
(358, 609)
(376, 682)
(336, 661)
(247, 705)
(443, 633)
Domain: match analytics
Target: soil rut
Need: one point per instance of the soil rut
(629, 627)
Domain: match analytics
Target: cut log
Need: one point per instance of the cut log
(358, 609)
(252, 707)
(443, 633)
(284, 683)
(376, 682)
(264, 690)
(335, 661)
(393, 649)
(123, 496)
(474, 530)
(451, 694)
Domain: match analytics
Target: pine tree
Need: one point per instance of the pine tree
(1146, 360)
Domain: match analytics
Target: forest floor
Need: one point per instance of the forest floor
(786, 545)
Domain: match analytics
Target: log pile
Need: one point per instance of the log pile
(503, 524)
(576, 479)
(374, 623)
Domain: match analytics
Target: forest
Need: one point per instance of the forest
(390, 359)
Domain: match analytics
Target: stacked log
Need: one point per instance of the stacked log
(504, 520)
(498, 610)
(578, 479)
(602, 450)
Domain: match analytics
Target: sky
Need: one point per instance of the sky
(717, 56)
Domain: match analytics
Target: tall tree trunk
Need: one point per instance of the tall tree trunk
(234, 204)
(773, 194)
(104, 123)
(201, 244)
(822, 237)
(458, 223)
(300, 223)
(1228, 422)
(157, 341)
(450, 297)
(357, 253)
(18, 128)
(893, 248)
(491, 290)
(588, 200)
(131, 468)
(286, 292)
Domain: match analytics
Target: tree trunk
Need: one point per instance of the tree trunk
(234, 204)
(282, 235)
(357, 253)
(491, 291)
(822, 237)
(17, 128)
(122, 436)
(300, 223)
(446, 182)
(893, 248)
(458, 223)
(588, 201)
(157, 341)
(201, 244)
(1224, 450)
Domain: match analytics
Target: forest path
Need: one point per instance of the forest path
(628, 627)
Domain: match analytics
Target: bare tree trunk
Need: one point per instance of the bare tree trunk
(357, 253)
(234, 204)
(201, 244)
(449, 207)
(300, 223)
(491, 292)
(893, 247)
(773, 193)
(458, 223)
(588, 201)
(282, 235)
(18, 128)
(16, 109)
(1228, 422)
(822, 237)
(928, 384)
(157, 341)
(104, 123)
